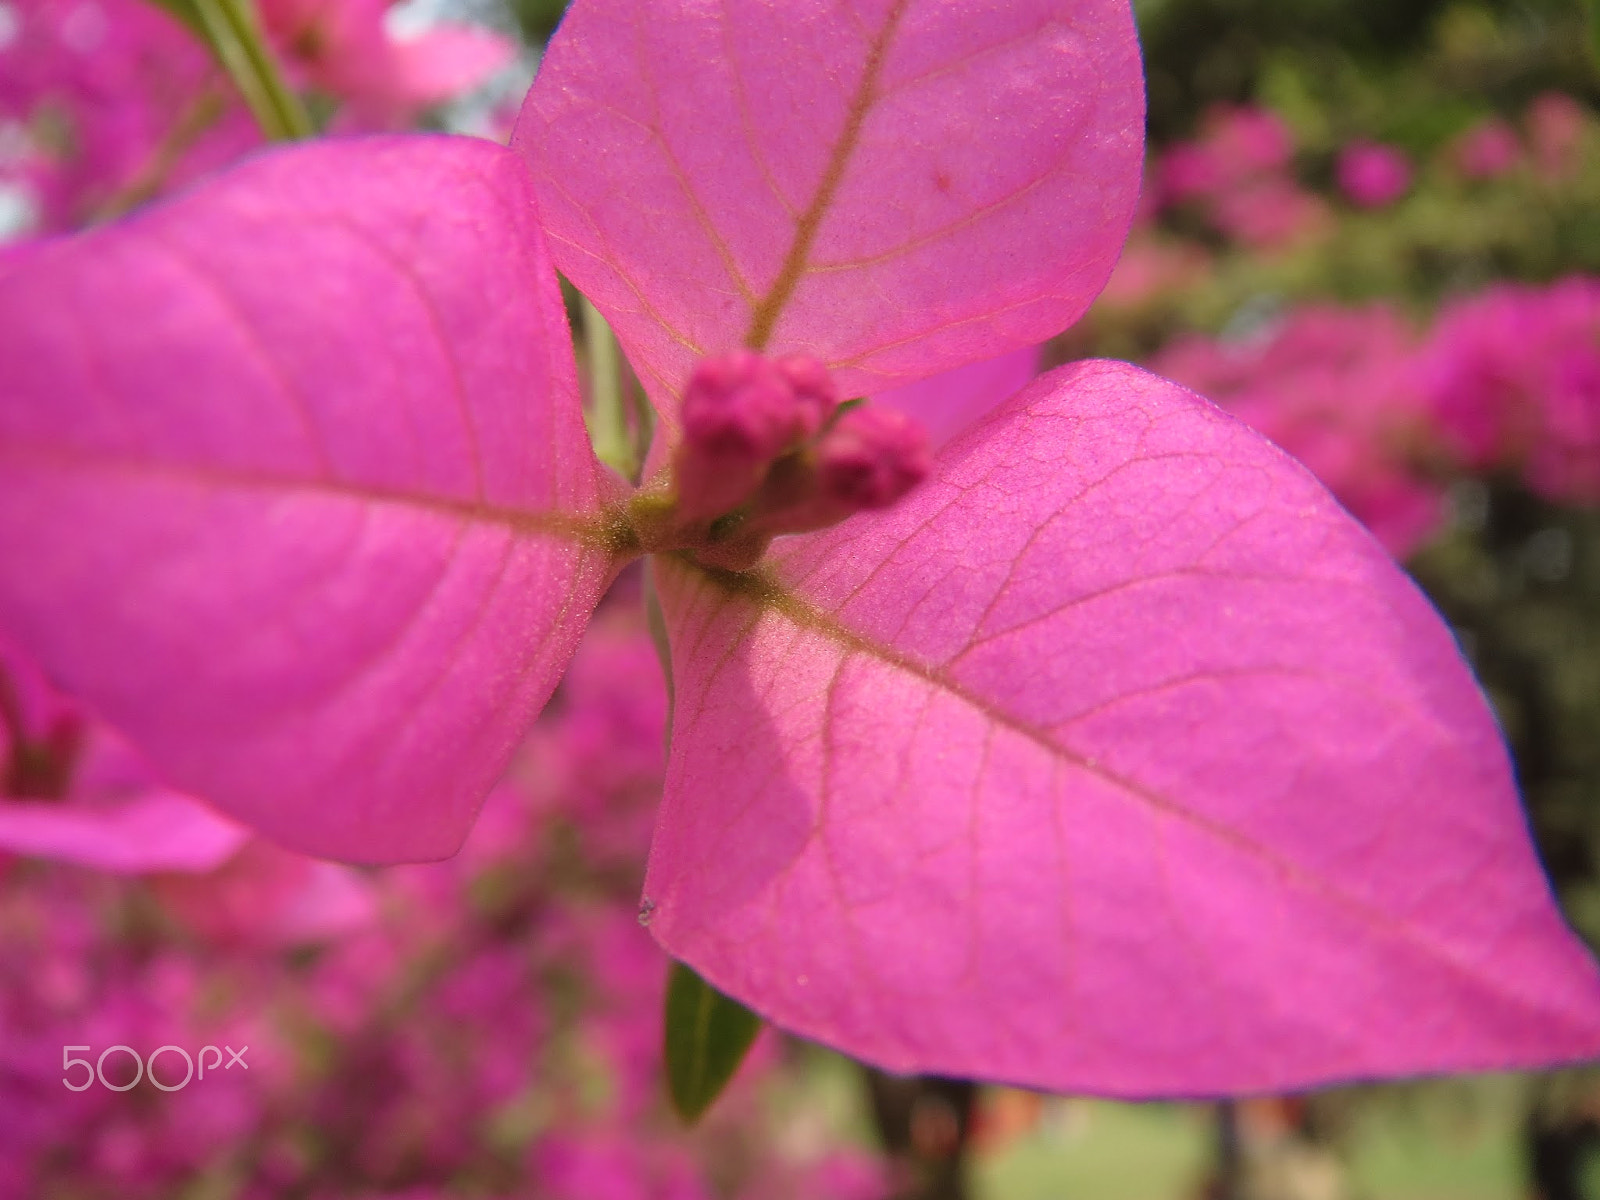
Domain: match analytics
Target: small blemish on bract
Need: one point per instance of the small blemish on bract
(647, 909)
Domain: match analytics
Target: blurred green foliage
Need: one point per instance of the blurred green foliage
(1520, 578)
(537, 18)
(1199, 52)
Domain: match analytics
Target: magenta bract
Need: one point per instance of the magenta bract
(1116, 757)
(899, 189)
(291, 470)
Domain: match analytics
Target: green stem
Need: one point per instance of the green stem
(644, 416)
(607, 420)
(233, 31)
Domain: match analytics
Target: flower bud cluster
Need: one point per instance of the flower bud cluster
(768, 449)
(741, 412)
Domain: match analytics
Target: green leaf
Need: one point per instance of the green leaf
(707, 1036)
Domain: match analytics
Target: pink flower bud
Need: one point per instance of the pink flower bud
(741, 411)
(872, 457)
(740, 406)
(814, 393)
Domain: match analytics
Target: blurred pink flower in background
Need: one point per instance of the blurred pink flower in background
(1506, 381)
(1271, 213)
(1338, 390)
(1513, 378)
(115, 97)
(1373, 175)
(272, 897)
(613, 1166)
(1237, 172)
(119, 102)
(71, 789)
(1233, 145)
(345, 49)
(1152, 267)
(1555, 123)
(409, 1019)
(1249, 140)
(1488, 150)
(80, 966)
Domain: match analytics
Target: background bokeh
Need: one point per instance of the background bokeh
(1371, 228)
